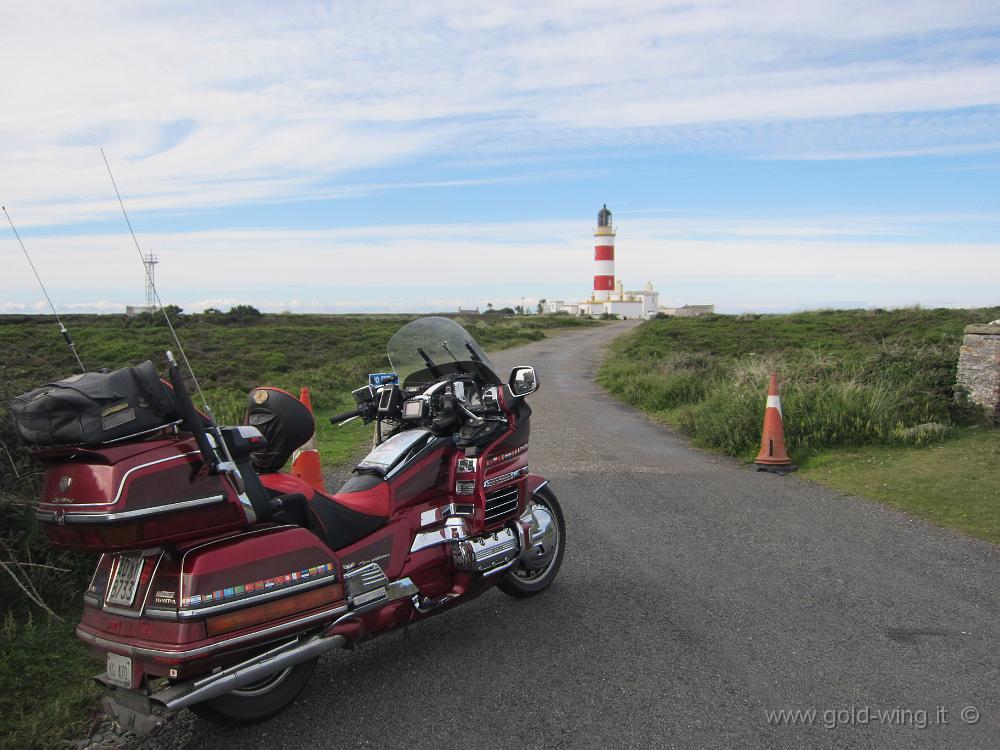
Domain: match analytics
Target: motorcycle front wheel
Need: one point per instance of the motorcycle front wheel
(523, 581)
(258, 701)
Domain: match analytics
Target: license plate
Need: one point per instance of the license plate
(119, 670)
(126, 581)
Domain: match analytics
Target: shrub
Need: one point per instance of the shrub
(847, 377)
(243, 314)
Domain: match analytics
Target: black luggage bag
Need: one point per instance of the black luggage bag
(95, 407)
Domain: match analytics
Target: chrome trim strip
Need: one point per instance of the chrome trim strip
(119, 611)
(191, 613)
(144, 432)
(539, 486)
(509, 476)
(500, 513)
(94, 576)
(149, 584)
(157, 510)
(131, 650)
(127, 474)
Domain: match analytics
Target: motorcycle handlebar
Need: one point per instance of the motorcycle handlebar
(338, 418)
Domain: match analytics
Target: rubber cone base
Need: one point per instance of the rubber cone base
(775, 469)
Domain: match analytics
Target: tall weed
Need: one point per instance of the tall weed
(848, 377)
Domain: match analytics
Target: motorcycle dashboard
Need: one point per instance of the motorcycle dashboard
(413, 409)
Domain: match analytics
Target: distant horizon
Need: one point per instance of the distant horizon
(530, 312)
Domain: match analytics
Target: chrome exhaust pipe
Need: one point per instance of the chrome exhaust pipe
(245, 673)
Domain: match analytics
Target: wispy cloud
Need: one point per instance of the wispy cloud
(218, 104)
(860, 257)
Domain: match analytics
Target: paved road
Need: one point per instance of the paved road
(695, 596)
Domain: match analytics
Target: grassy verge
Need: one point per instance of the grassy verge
(45, 693)
(869, 399)
(952, 483)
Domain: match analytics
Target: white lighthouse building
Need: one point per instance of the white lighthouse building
(604, 256)
(609, 295)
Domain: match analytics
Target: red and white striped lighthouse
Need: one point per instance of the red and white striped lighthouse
(604, 255)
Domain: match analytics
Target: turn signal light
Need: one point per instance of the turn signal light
(275, 610)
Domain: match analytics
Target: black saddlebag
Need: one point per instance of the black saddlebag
(94, 407)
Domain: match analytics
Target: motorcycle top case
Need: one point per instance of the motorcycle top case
(94, 408)
(133, 495)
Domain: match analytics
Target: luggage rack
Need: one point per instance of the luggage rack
(175, 424)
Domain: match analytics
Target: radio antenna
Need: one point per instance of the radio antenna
(156, 294)
(62, 328)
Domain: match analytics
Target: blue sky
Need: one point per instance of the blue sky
(361, 157)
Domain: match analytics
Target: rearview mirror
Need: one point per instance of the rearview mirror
(522, 380)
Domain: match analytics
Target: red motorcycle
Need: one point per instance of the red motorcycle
(222, 579)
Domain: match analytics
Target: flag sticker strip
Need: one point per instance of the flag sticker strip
(232, 592)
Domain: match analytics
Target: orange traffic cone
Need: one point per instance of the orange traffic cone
(305, 461)
(773, 457)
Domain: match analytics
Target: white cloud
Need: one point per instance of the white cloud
(434, 267)
(212, 104)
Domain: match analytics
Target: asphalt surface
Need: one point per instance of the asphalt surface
(694, 597)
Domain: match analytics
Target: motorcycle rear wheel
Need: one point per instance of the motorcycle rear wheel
(259, 701)
(521, 582)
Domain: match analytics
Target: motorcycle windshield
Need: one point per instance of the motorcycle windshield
(429, 349)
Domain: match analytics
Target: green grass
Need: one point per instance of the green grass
(44, 685)
(952, 484)
(848, 377)
(869, 400)
(45, 693)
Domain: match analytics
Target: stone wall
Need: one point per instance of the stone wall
(979, 365)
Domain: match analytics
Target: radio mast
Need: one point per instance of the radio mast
(150, 260)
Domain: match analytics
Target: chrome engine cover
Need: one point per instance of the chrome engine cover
(543, 536)
(485, 553)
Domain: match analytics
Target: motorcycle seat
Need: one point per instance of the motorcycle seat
(336, 524)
